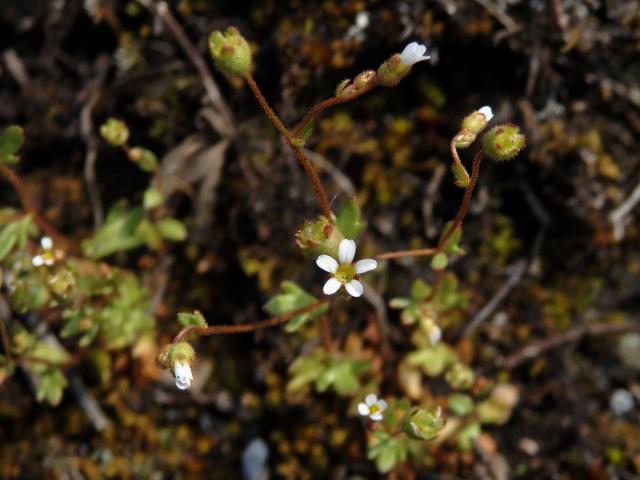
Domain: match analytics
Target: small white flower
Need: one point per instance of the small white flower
(414, 53)
(621, 401)
(372, 407)
(346, 272)
(487, 112)
(37, 261)
(47, 256)
(183, 375)
(46, 243)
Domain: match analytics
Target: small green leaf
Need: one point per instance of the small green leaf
(118, 232)
(432, 360)
(304, 370)
(292, 298)
(172, 229)
(387, 451)
(196, 318)
(461, 176)
(420, 290)
(50, 386)
(152, 198)
(422, 423)
(452, 247)
(10, 142)
(439, 261)
(460, 404)
(349, 220)
(115, 132)
(144, 158)
(8, 238)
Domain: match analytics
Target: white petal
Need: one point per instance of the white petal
(346, 251)
(487, 112)
(371, 399)
(435, 335)
(376, 417)
(382, 405)
(354, 287)
(363, 409)
(332, 286)
(46, 243)
(366, 265)
(182, 383)
(414, 53)
(327, 263)
(37, 261)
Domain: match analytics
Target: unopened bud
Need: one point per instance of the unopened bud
(230, 51)
(460, 376)
(144, 158)
(364, 79)
(423, 424)
(503, 142)
(115, 132)
(320, 237)
(464, 139)
(477, 121)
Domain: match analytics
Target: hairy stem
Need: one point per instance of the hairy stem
(456, 160)
(329, 102)
(421, 252)
(249, 327)
(304, 161)
(325, 333)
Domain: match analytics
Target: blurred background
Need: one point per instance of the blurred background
(552, 238)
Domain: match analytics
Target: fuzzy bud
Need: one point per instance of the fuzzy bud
(115, 132)
(392, 71)
(230, 51)
(503, 142)
(162, 360)
(364, 79)
(460, 376)
(144, 158)
(464, 139)
(319, 237)
(423, 424)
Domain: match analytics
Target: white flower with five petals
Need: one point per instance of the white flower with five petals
(182, 374)
(414, 53)
(372, 407)
(345, 272)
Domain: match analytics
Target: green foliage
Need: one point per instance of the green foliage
(292, 297)
(10, 142)
(386, 450)
(172, 229)
(432, 360)
(422, 423)
(439, 261)
(144, 158)
(460, 404)
(15, 233)
(325, 371)
(196, 318)
(115, 132)
(152, 198)
(349, 220)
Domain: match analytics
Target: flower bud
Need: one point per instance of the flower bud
(144, 158)
(364, 79)
(162, 360)
(460, 376)
(230, 51)
(115, 132)
(477, 121)
(464, 139)
(319, 237)
(181, 357)
(503, 142)
(345, 87)
(392, 71)
(423, 424)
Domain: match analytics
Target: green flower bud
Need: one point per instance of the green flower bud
(115, 132)
(392, 71)
(181, 352)
(144, 158)
(344, 88)
(503, 142)
(320, 236)
(464, 139)
(162, 359)
(364, 79)
(230, 51)
(439, 261)
(423, 424)
(477, 121)
(460, 376)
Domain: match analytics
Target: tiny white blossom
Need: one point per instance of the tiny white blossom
(346, 272)
(621, 401)
(46, 243)
(435, 334)
(414, 53)
(183, 375)
(372, 407)
(487, 112)
(37, 261)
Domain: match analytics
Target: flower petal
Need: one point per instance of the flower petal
(363, 409)
(382, 405)
(487, 112)
(366, 265)
(370, 399)
(354, 287)
(327, 263)
(376, 417)
(414, 53)
(346, 251)
(332, 286)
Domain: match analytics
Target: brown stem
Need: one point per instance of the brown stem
(304, 161)
(249, 327)
(6, 346)
(329, 102)
(576, 334)
(457, 221)
(420, 252)
(29, 207)
(325, 333)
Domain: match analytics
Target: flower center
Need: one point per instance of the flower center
(345, 273)
(373, 409)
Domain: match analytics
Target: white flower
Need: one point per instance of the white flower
(346, 272)
(487, 112)
(46, 243)
(183, 375)
(372, 407)
(414, 53)
(47, 256)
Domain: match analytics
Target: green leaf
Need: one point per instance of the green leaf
(420, 290)
(50, 386)
(422, 423)
(145, 159)
(152, 198)
(196, 318)
(118, 233)
(349, 220)
(467, 434)
(439, 261)
(460, 404)
(172, 229)
(432, 360)
(452, 247)
(387, 451)
(292, 298)
(10, 142)
(342, 375)
(8, 238)
(304, 370)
